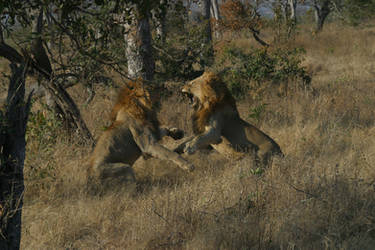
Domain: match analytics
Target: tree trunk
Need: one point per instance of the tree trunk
(139, 49)
(208, 52)
(13, 146)
(292, 17)
(158, 17)
(321, 13)
(215, 13)
(206, 5)
(293, 7)
(285, 5)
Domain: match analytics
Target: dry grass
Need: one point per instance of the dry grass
(321, 196)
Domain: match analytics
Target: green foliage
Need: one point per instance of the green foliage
(43, 128)
(257, 111)
(257, 171)
(250, 71)
(355, 11)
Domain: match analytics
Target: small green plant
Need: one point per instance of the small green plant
(257, 171)
(257, 111)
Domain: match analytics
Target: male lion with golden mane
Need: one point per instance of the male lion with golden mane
(134, 131)
(217, 123)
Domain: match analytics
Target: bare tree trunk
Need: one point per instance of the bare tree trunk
(285, 5)
(293, 7)
(215, 13)
(139, 48)
(158, 17)
(12, 148)
(292, 18)
(207, 56)
(321, 13)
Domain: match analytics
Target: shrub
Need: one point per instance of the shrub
(252, 71)
(355, 11)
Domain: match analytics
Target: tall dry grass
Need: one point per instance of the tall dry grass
(320, 196)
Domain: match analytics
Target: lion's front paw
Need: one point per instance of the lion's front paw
(190, 148)
(188, 166)
(176, 133)
(191, 167)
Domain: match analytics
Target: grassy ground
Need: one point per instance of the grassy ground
(321, 196)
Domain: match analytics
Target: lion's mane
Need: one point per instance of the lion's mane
(215, 97)
(129, 102)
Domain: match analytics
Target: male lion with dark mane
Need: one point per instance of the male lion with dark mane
(134, 131)
(217, 123)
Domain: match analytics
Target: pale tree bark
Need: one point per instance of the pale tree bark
(292, 18)
(158, 17)
(12, 148)
(322, 10)
(215, 13)
(293, 7)
(138, 47)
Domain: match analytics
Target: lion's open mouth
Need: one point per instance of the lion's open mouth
(190, 97)
(193, 100)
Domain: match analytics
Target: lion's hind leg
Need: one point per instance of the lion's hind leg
(266, 156)
(121, 171)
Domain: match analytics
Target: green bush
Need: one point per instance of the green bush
(250, 71)
(356, 11)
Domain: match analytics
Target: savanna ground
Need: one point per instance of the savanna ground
(320, 196)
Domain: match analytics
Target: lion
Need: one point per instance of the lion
(135, 131)
(217, 123)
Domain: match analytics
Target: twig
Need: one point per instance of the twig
(307, 193)
(168, 55)
(257, 38)
(160, 216)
